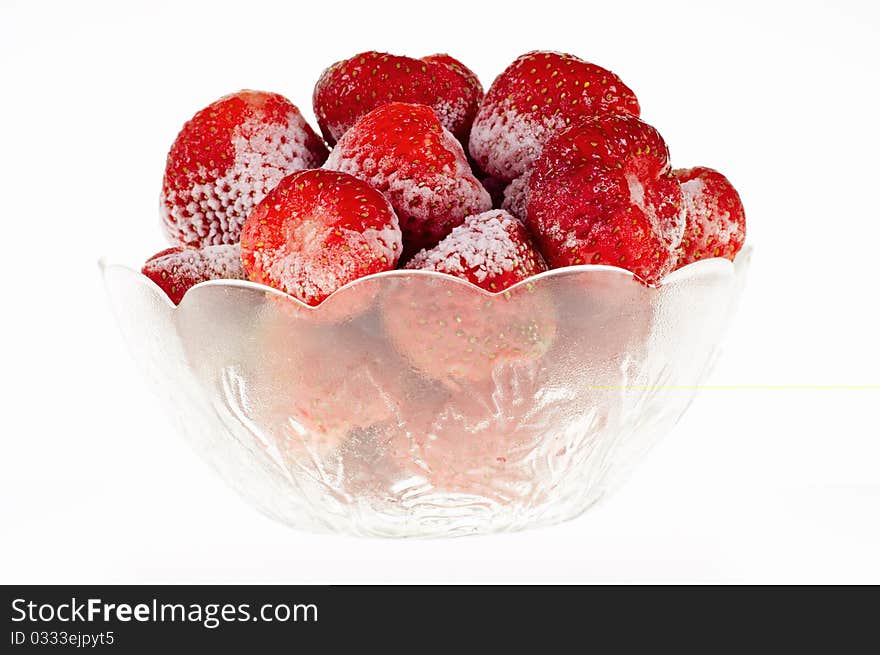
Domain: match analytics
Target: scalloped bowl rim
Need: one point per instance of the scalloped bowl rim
(695, 269)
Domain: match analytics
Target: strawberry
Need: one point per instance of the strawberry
(516, 196)
(463, 443)
(451, 332)
(405, 152)
(317, 231)
(471, 91)
(350, 89)
(316, 383)
(492, 250)
(602, 192)
(226, 159)
(176, 270)
(537, 95)
(715, 221)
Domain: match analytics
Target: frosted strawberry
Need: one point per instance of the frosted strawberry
(403, 151)
(492, 250)
(715, 219)
(352, 88)
(516, 196)
(602, 192)
(317, 231)
(226, 159)
(468, 95)
(177, 270)
(537, 95)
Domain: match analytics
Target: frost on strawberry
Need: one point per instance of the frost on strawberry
(537, 95)
(405, 152)
(715, 221)
(352, 88)
(516, 196)
(602, 192)
(492, 250)
(176, 270)
(317, 231)
(226, 159)
(458, 115)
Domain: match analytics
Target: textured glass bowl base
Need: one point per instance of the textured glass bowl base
(413, 404)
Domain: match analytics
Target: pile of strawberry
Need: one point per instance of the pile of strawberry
(551, 167)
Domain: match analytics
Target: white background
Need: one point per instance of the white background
(770, 484)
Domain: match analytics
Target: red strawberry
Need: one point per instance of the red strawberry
(602, 193)
(492, 250)
(226, 159)
(471, 92)
(715, 219)
(177, 270)
(352, 88)
(403, 151)
(317, 231)
(537, 95)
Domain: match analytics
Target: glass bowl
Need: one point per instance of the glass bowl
(411, 403)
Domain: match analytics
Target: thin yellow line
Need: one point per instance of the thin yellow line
(745, 387)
